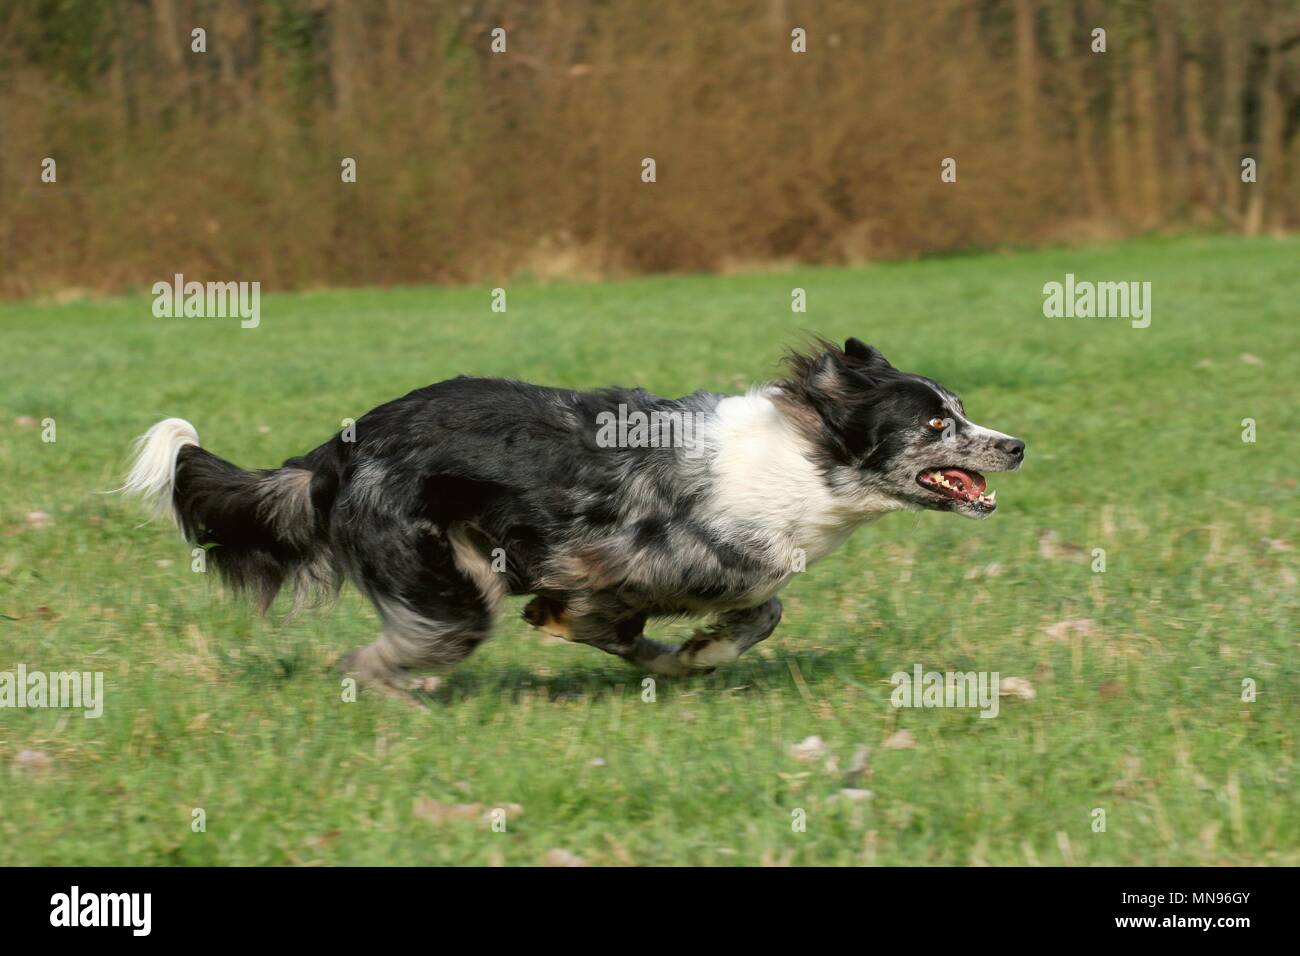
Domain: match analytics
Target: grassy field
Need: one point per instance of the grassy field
(1135, 446)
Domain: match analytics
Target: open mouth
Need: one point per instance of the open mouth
(959, 485)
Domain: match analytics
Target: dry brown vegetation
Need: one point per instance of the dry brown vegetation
(472, 165)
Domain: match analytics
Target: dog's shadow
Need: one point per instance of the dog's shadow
(799, 672)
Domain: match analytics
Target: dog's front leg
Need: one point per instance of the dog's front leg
(729, 636)
(624, 636)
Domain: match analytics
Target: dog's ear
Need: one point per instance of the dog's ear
(869, 355)
(835, 385)
(836, 375)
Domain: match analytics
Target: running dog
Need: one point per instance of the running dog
(610, 507)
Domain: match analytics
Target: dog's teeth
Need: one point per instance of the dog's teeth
(992, 496)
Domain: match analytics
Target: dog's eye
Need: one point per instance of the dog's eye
(937, 424)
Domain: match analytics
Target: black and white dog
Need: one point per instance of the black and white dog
(611, 507)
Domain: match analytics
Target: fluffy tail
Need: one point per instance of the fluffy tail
(259, 528)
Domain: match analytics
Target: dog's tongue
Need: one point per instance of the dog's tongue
(968, 483)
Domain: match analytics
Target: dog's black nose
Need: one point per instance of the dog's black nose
(1013, 447)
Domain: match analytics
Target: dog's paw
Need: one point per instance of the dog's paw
(373, 676)
(666, 661)
(707, 654)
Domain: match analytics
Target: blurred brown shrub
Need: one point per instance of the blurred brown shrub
(474, 165)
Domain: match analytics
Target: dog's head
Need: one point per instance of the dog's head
(894, 439)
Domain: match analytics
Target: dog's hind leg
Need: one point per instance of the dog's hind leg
(730, 635)
(435, 594)
(410, 641)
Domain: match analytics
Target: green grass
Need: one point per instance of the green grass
(1134, 446)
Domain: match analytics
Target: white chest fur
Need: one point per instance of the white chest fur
(764, 481)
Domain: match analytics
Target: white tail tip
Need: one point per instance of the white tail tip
(153, 474)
